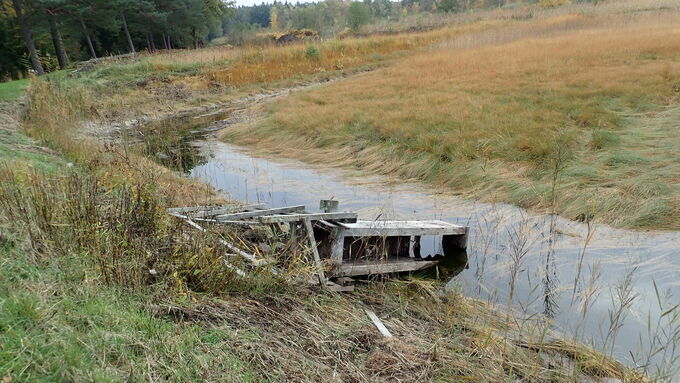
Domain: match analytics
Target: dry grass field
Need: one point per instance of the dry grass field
(573, 113)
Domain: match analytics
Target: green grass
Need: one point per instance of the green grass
(12, 90)
(17, 148)
(58, 325)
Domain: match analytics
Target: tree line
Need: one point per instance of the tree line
(328, 17)
(44, 35)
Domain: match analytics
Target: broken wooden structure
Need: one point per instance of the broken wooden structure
(341, 245)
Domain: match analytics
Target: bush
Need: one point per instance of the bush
(313, 53)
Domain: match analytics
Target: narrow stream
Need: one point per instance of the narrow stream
(610, 292)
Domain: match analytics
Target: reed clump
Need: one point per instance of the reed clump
(122, 232)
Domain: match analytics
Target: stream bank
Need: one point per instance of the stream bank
(606, 287)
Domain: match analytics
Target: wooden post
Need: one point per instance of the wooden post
(338, 246)
(315, 252)
(293, 232)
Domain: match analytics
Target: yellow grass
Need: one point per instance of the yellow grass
(482, 116)
(275, 63)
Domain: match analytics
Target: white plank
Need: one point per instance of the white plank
(350, 269)
(229, 245)
(338, 245)
(402, 228)
(378, 323)
(181, 210)
(202, 211)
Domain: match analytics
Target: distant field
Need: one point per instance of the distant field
(577, 114)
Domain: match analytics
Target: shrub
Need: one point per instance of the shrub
(313, 53)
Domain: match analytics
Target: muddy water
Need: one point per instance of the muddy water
(609, 291)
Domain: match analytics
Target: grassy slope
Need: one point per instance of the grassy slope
(59, 323)
(12, 90)
(485, 118)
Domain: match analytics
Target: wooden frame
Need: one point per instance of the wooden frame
(329, 246)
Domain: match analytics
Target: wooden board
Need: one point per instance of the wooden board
(345, 216)
(203, 211)
(229, 209)
(260, 213)
(229, 245)
(312, 242)
(398, 265)
(401, 228)
(378, 323)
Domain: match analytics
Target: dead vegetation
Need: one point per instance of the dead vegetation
(312, 337)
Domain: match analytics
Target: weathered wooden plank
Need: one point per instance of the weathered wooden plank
(329, 225)
(347, 216)
(229, 209)
(328, 205)
(352, 268)
(292, 227)
(315, 252)
(227, 222)
(203, 211)
(401, 228)
(339, 288)
(338, 245)
(238, 271)
(202, 229)
(260, 213)
(378, 323)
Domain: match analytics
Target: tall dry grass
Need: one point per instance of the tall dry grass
(275, 63)
(482, 117)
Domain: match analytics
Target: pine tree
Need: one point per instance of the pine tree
(27, 35)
